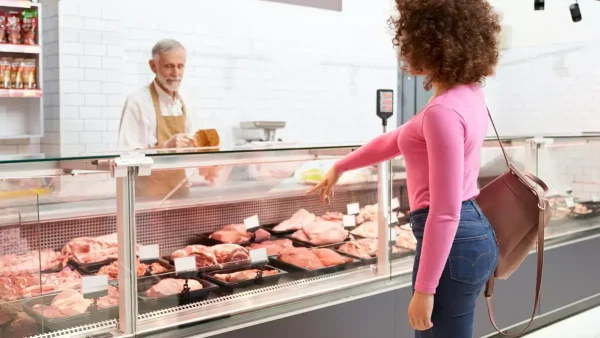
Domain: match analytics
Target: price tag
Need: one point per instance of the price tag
(349, 221)
(91, 284)
(394, 218)
(353, 209)
(183, 264)
(252, 222)
(259, 256)
(570, 202)
(149, 252)
(595, 198)
(395, 203)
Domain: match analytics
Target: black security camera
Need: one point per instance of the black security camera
(575, 12)
(538, 5)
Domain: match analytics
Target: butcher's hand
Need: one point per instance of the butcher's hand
(210, 173)
(178, 141)
(419, 311)
(325, 187)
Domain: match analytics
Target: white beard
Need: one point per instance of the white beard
(173, 86)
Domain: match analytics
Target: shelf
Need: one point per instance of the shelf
(17, 3)
(21, 93)
(13, 48)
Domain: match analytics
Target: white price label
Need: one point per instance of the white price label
(259, 256)
(353, 209)
(349, 221)
(91, 284)
(183, 264)
(252, 222)
(595, 198)
(394, 218)
(149, 252)
(570, 202)
(395, 203)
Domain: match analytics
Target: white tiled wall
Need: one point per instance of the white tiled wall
(247, 60)
(50, 143)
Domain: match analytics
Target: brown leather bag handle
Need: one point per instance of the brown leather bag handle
(489, 287)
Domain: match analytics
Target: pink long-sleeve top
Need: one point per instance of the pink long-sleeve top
(441, 147)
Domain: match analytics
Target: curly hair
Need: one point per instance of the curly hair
(453, 42)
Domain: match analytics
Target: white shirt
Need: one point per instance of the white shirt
(138, 121)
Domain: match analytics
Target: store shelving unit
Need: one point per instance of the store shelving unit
(22, 110)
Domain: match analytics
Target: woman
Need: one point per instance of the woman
(454, 44)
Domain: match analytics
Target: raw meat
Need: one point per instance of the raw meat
(226, 253)
(406, 239)
(66, 304)
(329, 257)
(367, 230)
(321, 233)
(362, 248)
(157, 268)
(110, 300)
(298, 220)
(204, 255)
(112, 270)
(336, 217)
(273, 247)
(31, 262)
(241, 276)
(301, 257)
(21, 326)
(171, 286)
(31, 285)
(233, 233)
(92, 250)
(261, 235)
(367, 213)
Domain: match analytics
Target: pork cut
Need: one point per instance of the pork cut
(302, 258)
(226, 253)
(204, 255)
(92, 249)
(233, 233)
(31, 285)
(321, 233)
(110, 300)
(367, 230)
(261, 235)
(240, 276)
(367, 213)
(112, 270)
(31, 262)
(66, 304)
(329, 257)
(298, 220)
(336, 217)
(273, 247)
(406, 239)
(363, 248)
(171, 286)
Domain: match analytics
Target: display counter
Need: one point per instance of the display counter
(140, 244)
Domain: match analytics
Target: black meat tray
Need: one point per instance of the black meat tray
(593, 206)
(309, 244)
(373, 260)
(87, 266)
(255, 282)
(205, 239)
(93, 315)
(93, 268)
(219, 266)
(269, 228)
(290, 268)
(295, 244)
(148, 304)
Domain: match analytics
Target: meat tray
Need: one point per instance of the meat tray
(148, 304)
(593, 206)
(93, 315)
(230, 287)
(205, 239)
(270, 227)
(80, 266)
(298, 271)
(93, 268)
(372, 260)
(213, 267)
(308, 244)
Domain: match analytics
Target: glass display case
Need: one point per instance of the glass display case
(180, 244)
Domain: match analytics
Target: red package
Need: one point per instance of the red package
(29, 25)
(2, 27)
(13, 27)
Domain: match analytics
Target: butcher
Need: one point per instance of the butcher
(155, 117)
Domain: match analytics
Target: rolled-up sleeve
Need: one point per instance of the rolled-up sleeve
(133, 130)
(444, 131)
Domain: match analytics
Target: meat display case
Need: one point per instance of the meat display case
(100, 199)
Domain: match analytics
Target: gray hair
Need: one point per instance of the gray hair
(165, 45)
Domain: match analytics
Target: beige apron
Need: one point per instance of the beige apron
(162, 182)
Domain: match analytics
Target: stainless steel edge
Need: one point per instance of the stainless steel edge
(29, 169)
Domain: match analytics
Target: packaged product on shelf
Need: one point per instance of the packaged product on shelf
(29, 26)
(16, 74)
(28, 75)
(13, 27)
(5, 65)
(2, 27)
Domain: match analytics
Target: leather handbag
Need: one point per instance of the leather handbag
(516, 208)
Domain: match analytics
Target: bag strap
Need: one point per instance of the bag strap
(542, 206)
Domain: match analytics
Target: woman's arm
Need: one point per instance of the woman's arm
(380, 149)
(444, 131)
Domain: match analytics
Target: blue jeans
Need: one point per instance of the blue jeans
(472, 260)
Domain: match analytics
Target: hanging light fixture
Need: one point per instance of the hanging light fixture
(538, 5)
(575, 12)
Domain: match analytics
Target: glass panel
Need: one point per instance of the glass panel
(83, 238)
(22, 258)
(571, 168)
(218, 216)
